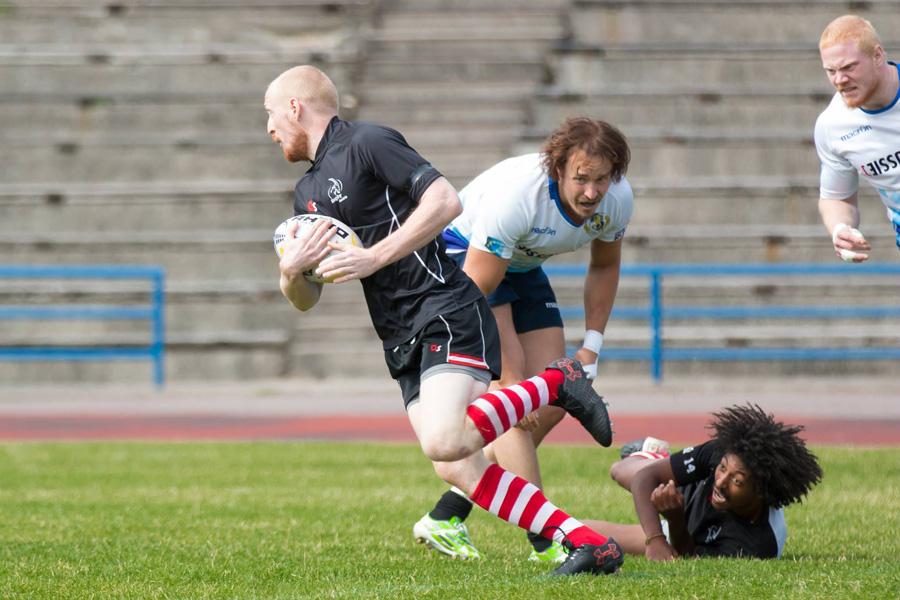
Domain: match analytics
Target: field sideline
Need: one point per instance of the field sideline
(840, 410)
(333, 520)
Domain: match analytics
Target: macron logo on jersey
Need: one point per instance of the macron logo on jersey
(855, 132)
(543, 231)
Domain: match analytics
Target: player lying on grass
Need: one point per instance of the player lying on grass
(516, 215)
(725, 497)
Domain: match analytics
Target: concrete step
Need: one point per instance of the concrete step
(103, 7)
(410, 93)
(736, 244)
(589, 70)
(234, 254)
(243, 253)
(185, 157)
(485, 22)
(443, 112)
(508, 46)
(148, 157)
(203, 358)
(222, 351)
(253, 303)
(205, 71)
(749, 201)
(483, 68)
(319, 359)
(84, 115)
(724, 109)
(617, 22)
(150, 205)
(757, 335)
(151, 23)
(729, 290)
(429, 6)
(708, 152)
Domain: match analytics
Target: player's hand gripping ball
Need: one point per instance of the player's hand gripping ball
(342, 235)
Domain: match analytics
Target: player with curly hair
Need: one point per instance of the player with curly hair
(516, 215)
(725, 497)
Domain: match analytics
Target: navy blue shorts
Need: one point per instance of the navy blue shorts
(531, 298)
(465, 340)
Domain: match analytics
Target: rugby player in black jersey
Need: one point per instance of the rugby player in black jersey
(724, 497)
(440, 339)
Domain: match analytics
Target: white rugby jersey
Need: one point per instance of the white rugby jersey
(854, 143)
(513, 211)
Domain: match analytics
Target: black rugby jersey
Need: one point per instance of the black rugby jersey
(368, 177)
(718, 532)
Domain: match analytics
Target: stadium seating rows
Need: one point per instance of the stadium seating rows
(132, 132)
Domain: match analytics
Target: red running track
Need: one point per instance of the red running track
(678, 429)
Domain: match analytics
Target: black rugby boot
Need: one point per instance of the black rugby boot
(578, 398)
(589, 558)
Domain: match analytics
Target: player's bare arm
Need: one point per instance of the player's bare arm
(438, 206)
(669, 502)
(600, 286)
(841, 219)
(485, 269)
(301, 254)
(642, 485)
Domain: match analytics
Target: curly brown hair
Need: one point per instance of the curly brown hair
(596, 138)
(779, 462)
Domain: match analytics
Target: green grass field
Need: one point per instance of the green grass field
(325, 520)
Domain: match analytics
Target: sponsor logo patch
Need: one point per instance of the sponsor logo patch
(335, 192)
(596, 223)
(881, 165)
(494, 246)
(712, 533)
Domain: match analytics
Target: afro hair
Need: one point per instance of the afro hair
(782, 467)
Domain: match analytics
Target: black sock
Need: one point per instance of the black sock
(451, 504)
(538, 542)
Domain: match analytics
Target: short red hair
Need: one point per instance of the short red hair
(851, 28)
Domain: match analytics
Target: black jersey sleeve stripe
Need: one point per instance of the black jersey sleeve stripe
(416, 175)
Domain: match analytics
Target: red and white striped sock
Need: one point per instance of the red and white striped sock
(649, 455)
(523, 504)
(494, 413)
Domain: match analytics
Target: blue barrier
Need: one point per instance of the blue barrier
(153, 312)
(656, 313)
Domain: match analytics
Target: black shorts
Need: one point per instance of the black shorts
(465, 340)
(530, 296)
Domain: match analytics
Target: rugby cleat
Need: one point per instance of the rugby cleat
(649, 445)
(447, 537)
(578, 398)
(596, 560)
(555, 553)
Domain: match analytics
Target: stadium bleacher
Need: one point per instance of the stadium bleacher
(133, 132)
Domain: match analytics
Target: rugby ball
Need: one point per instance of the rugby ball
(342, 235)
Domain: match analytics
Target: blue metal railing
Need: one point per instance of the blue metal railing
(153, 312)
(655, 313)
